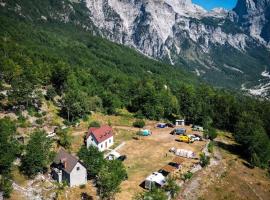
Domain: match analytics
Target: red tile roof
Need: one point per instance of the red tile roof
(100, 134)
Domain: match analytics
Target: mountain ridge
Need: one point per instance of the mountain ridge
(225, 48)
(180, 32)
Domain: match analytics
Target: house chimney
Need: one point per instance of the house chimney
(64, 162)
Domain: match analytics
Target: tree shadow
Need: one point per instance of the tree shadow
(85, 196)
(235, 149)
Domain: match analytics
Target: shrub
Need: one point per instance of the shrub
(204, 160)
(211, 133)
(94, 124)
(172, 187)
(211, 146)
(139, 123)
(39, 121)
(155, 194)
(22, 122)
(5, 186)
(51, 93)
(65, 138)
(187, 176)
(38, 115)
(85, 118)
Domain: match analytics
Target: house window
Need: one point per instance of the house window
(101, 146)
(78, 168)
(110, 141)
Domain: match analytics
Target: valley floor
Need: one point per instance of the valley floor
(227, 177)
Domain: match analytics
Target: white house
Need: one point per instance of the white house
(101, 137)
(68, 168)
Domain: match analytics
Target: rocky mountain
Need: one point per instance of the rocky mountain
(226, 48)
(254, 18)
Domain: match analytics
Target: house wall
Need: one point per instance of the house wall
(101, 146)
(78, 175)
(91, 141)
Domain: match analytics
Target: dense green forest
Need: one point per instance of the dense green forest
(89, 73)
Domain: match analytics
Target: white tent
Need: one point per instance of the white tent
(183, 152)
(155, 178)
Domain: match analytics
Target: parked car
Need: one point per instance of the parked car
(185, 138)
(179, 131)
(197, 128)
(199, 136)
(144, 132)
(194, 138)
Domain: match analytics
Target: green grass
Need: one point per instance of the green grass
(122, 136)
(18, 177)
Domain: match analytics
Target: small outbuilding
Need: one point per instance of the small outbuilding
(180, 122)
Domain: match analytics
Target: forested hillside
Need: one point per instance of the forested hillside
(82, 73)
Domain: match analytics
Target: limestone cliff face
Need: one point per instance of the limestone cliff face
(254, 17)
(224, 47)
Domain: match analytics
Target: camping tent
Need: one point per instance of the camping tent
(156, 179)
(184, 153)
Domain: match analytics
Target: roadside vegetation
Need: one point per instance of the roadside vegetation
(139, 123)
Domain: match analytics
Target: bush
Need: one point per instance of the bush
(139, 123)
(204, 160)
(85, 118)
(38, 115)
(211, 146)
(94, 124)
(65, 139)
(39, 121)
(5, 186)
(172, 187)
(22, 122)
(187, 176)
(155, 194)
(51, 93)
(211, 133)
